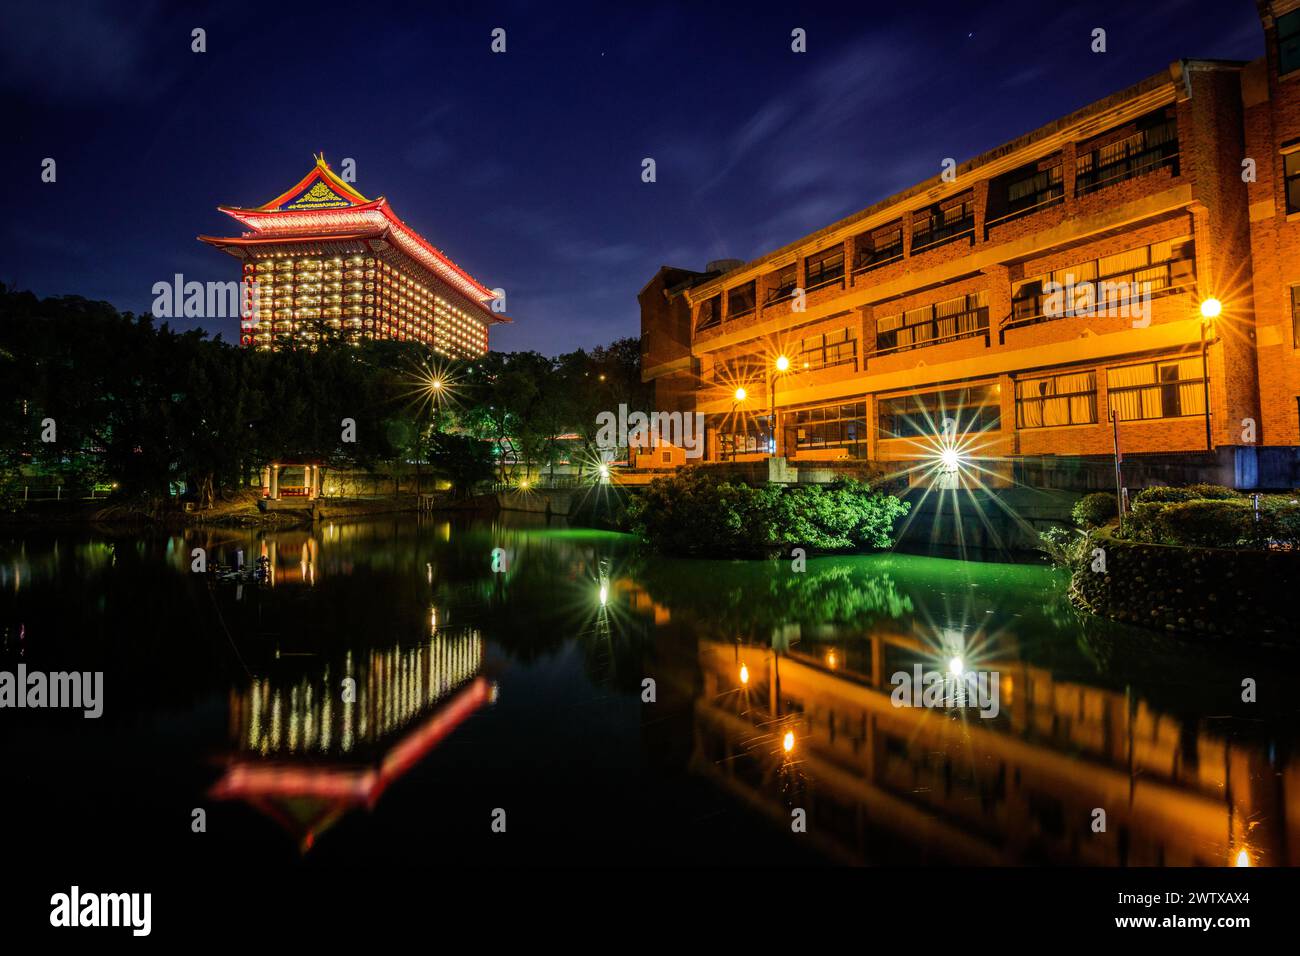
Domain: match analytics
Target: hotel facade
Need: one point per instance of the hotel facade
(321, 262)
(1130, 270)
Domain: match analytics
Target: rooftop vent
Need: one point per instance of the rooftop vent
(724, 265)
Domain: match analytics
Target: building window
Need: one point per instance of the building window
(877, 249)
(784, 285)
(1152, 145)
(1288, 42)
(1105, 285)
(827, 426)
(710, 313)
(977, 408)
(1026, 190)
(959, 318)
(740, 300)
(1291, 177)
(1295, 316)
(748, 437)
(823, 351)
(942, 223)
(1069, 399)
(1169, 389)
(825, 267)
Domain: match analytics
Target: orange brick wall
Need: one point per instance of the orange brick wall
(1246, 255)
(1272, 122)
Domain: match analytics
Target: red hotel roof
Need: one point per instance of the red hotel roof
(322, 207)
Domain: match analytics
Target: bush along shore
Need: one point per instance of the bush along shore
(1202, 560)
(694, 512)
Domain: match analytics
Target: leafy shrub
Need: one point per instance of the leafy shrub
(1187, 493)
(1065, 547)
(1200, 523)
(1281, 517)
(1094, 509)
(696, 511)
(1222, 523)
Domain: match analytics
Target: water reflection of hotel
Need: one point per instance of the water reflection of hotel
(883, 783)
(309, 748)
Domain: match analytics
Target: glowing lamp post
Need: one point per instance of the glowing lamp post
(1210, 309)
(782, 366)
(740, 395)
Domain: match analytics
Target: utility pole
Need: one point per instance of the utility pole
(1119, 481)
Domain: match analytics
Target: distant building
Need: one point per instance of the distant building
(329, 263)
(1030, 294)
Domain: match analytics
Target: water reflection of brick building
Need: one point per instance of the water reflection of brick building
(883, 783)
(936, 303)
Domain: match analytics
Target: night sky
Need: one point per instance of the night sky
(525, 167)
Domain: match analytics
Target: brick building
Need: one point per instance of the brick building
(1009, 307)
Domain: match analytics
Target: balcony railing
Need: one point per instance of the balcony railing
(877, 258)
(709, 320)
(936, 235)
(1133, 164)
(939, 329)
(1161, 279)
(1054, 197)
(778, 295)
(827, 280)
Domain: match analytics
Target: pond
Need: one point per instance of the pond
(484, 691)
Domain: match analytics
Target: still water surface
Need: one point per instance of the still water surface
(387, 691)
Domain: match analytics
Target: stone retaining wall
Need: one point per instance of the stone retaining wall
(1248, 595)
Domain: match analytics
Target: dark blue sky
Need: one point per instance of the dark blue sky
(526, 167)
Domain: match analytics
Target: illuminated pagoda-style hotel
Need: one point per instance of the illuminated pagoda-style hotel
(329, 263)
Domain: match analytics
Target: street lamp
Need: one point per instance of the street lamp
(1210, 309)
(782, 365)
(739, 397)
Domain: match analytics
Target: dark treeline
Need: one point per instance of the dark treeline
(90, 395)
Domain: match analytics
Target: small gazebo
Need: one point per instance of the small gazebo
(292, 482)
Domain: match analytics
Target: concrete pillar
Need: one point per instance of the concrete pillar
(275, 483)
